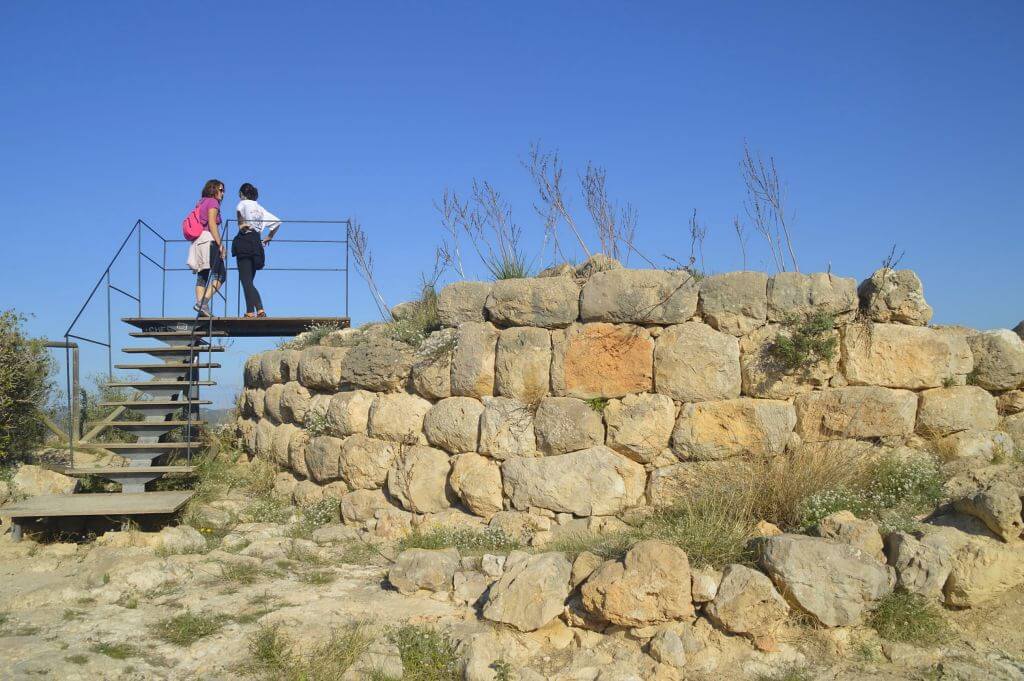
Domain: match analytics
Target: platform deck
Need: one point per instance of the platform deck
(238, 327)
(115, 503)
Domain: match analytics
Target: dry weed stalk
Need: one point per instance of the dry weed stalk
(546, 170)
(765, 206)
(616, 228)
(360, 246)
(449, 251)
(486, 218)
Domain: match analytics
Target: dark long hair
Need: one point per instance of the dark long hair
(249, 192)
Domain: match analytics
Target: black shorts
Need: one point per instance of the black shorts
(217, 270)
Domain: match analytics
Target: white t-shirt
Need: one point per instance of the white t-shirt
(255, 216)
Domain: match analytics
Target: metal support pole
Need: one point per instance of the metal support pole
(348, 236)
(163, 284)
(110, 353)
(138, 267)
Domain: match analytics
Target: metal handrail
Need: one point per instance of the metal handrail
(137, 231)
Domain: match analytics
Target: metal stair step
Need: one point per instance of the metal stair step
(124, 470)
(146, 446)
(155, 425)
(128, 404)
(176, 350)
(197, 333)
(158, 384)
(168, 365)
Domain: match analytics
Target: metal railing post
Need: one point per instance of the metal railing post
(163, 283)
(348, 236)
(138, 265)
(110, 337)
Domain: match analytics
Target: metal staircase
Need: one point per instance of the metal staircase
(162, 414)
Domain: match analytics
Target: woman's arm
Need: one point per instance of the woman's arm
(273, 231)
(215, 230)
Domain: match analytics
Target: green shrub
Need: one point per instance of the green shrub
(598, 404)
(316, 424)
(804, 342)
(910, 618)
(467, 541)
(419, 321)
(608, 545)
(187, 628)
(427, 654)
(312, 336)
(713, 528)
(272, 656)
(24, 387)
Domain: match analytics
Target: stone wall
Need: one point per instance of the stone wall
(583, 394)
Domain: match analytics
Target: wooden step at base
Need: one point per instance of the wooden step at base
(106, 504)
(174, 350)
(184, 335)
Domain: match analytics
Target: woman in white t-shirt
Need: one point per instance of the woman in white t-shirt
(247, 246)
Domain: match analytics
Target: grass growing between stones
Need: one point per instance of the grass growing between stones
(117, 651)
(468, 542)
(804, 342)
(362, 553)
(789, 674)
(187, 628)
(307, 339)
(272, 656)
(8, 627)
(427, 654)
(910, 618)
(609, 545)
(419, 321)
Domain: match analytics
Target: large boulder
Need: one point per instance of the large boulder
(506, 428)
(845, 527)
(453, 424)
(251, 403)
(274, 368)
(398, 417)
(35, 481)
(982, 569)
(349, 412)
(295, 402)
(998, 505)
(567, 424)
(900, 356)
(998, 359)
(522, 364)
(763, 374)
(551, 302)
(473, 360)
(463, 301)
(365, 461)
(280, 444)
(530, 593)
(793, 295)
(476, 480)
(272, 402)
(323, 458)
(649, 586)
(724, 428)
(835, 583)
(640, 426)
(693, 362)
(362, 504)
(984, 445)
(943, 411)
(320, 367)
(595, 481)
(380, 365)
(418, 480)
(894, 296)
(639, 297)
(668, 484)
(922, 561)
(1011, 402)
(431, 374)
(601, 360)
(855, 412)
(1014, 426)
(430, 570)
(747, 603)
(735, 302)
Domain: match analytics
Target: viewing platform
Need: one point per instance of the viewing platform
(237, 327)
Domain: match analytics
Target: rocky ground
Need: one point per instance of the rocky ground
(175, 605)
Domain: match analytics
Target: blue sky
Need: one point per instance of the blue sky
(891, 123)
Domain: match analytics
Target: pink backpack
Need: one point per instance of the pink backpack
(192, 226)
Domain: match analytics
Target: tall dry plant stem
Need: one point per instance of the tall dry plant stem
(359, 244)
(616, 229)
(765, 206)
(449, 251)
(546, 170)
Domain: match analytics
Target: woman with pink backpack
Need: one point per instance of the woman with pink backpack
(206, 254)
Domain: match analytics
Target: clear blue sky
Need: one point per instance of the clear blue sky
(891, 122)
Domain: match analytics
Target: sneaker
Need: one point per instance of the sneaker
(204, 311)
(197, 307)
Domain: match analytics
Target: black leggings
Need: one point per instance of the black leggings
(246, 273)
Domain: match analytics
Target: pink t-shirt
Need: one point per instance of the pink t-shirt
(205, 205)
